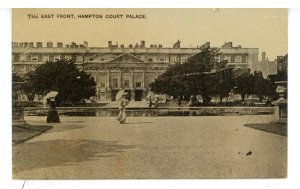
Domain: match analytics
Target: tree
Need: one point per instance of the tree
(270, 89)
(260, 85)
(201, 74)
(226, 83)
(16, 78)
(254, 83)
(244, 82)
(17, 82)
(62, 76)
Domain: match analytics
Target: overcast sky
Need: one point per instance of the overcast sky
(265, 29)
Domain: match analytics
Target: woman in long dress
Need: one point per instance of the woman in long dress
(52, 114)
(123, 102)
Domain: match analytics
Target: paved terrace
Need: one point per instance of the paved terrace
(151, 147)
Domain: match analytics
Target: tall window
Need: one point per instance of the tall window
(238, 59)
(102, 81)
(79, 58)
(115, 82)
(16, 58)
(45, 58)
(34, 58)
(126, 83)
(227, 57)
(56, 57)
(68, 57)
(138, 84)
(102, 94)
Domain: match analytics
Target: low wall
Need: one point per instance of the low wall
(145, 112)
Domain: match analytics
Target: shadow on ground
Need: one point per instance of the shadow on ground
(62, 128)
(41, 154)
(276, 128)
(22, 133)
(137, 123)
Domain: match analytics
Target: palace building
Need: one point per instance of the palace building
(116, 67)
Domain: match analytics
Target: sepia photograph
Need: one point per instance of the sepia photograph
(149, 93)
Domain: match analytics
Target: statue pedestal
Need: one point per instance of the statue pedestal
(281, 104)
(18, 116)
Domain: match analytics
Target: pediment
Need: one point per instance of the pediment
(126, 58)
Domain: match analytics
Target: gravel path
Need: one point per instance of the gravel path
(151, 147)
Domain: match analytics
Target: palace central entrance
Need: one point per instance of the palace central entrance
(138, 95)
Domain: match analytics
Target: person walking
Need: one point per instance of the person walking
(52, 114)
(123, 102)
(156, 98)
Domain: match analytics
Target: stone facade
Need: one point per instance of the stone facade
(265, 66)
(116, 67)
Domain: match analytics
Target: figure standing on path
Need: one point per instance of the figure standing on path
(52, 114)
(156, 98)
(123, 102)
(150, 98)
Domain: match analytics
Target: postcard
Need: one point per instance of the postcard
(149, 93)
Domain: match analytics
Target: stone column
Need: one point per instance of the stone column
(121, 79)
(108, 79)
(132, 85)
(132, 94)
(108, 90)
(132, 78)
(144, 85)
(108, 94)
(98, 94)
(144, 79)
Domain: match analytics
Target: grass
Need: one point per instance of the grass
(279, 128)
(22, 133)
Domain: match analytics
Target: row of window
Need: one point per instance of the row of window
(45, 58)
(236, 58)
(115, 83)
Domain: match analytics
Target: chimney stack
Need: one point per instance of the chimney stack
(143, 44)
(15, 44)
(109, 43)
(60, 45)
(205, 46)
(39, 44)
(85, 44)
(263, 56)
(227, 45)
(49, 44)
(177, 45)
(73, 45)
